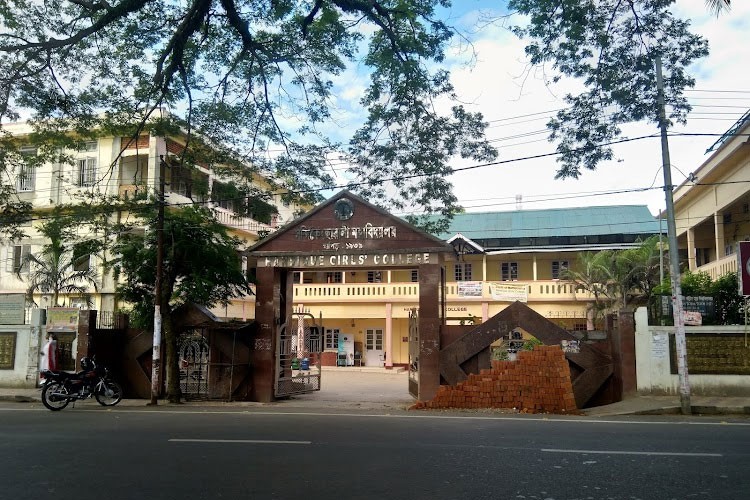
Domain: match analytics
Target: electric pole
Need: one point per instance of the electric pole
(674, 259)
(156, 353)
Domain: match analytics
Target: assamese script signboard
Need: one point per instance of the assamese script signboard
(12, 309)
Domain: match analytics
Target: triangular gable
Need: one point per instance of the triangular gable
(463, 245)
(352, 230)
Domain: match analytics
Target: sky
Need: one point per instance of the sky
(517, 109)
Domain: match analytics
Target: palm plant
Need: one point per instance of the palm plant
(593, 274)
(54, 271)
(719, 6)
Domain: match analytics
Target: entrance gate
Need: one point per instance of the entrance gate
(192, 350)
(299, 349)
(414, 353)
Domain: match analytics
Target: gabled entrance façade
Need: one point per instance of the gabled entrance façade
(344, 233)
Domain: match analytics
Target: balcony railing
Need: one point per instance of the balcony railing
(231, 219)
(131, 190)
(719, 268)
(547, 291)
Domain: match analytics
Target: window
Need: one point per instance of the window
(18, 261)
(296, 277)
(374, 340)
(415, 275)
(86, 172)
(332, 338)
(81, 260)
(509, 271)
(334, 277)
(558, 266)
(374, 277)
(26, 179)
(462, 271)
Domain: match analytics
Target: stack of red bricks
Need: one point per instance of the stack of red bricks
(537, 382)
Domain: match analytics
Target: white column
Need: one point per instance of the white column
(690, 249)
(389, 334)
(719, 234)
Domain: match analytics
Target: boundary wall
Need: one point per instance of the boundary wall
(653, 361)
(28, 342)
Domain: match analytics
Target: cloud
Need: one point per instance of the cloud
(499, 85)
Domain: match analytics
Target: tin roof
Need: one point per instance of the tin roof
(583, 221)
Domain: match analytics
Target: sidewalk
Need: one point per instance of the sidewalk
(670, 405)
(386, 390)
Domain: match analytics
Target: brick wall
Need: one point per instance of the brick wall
(537, 382)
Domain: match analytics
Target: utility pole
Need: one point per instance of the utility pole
(674, 259)
(156, 353)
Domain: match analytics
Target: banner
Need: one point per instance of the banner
(509, 292)
(469, 288)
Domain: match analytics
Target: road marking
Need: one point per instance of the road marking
(621, 452)
(551, 419)
(251, 441)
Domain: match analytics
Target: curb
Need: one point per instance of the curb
(697, 410)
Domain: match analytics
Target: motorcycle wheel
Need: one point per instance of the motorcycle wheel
(50, 397)
(108, 393)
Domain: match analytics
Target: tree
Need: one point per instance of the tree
(617, 277)
(611, 47)
(259, 81)
(201, 265)
(591, 273)
(729, 304)
(640, 271)
(719, 6)
(62, 267)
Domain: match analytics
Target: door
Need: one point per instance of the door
(374, 353)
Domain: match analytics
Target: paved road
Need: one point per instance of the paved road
(89, 452)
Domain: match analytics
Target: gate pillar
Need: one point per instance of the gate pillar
(271, 310)
(430, 320)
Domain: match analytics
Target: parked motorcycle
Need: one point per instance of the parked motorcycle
(60, 388)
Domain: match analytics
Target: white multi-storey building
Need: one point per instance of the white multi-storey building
(124, 167)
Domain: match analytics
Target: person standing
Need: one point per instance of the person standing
(48, 355)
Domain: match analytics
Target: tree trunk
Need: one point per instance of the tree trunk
(171, 358)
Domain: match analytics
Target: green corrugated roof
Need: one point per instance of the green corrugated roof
(584, 221)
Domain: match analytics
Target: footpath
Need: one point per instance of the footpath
(345, 388)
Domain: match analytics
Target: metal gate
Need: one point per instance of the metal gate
(298, 355)
(414, 352)
(192, 349)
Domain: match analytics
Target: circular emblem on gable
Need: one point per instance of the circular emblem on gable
(343, 209)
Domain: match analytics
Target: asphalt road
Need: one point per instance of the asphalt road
(89, 452)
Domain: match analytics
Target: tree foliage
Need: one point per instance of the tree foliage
(729, 304)
(611, 47)
(201, 265)
(258, 80)
(63, 267)
(618, 278)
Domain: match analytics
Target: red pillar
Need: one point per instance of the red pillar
(622, 341)
(268, 316)
(430, 320)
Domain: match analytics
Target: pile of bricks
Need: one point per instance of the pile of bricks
(537, 382)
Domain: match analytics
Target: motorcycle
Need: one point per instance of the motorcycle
(60, 388)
